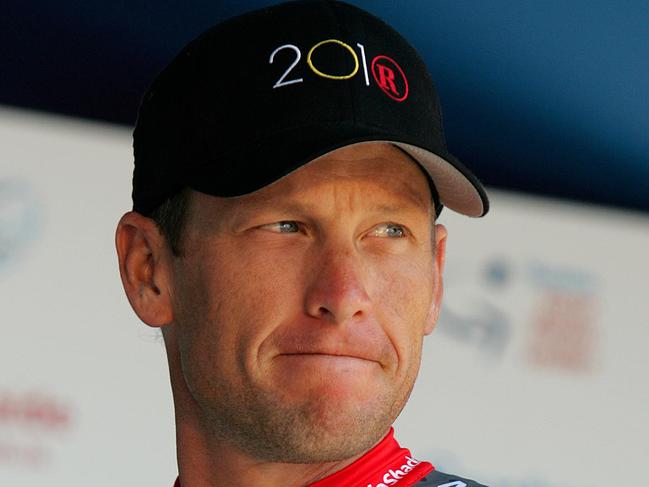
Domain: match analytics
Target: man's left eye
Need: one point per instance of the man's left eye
(392, 230)
(284, 227)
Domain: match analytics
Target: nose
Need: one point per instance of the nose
(336, 289)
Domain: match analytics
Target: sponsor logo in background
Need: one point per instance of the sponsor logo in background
(21, 221)
(563, 331)
(475, 319)
(31, 423)
(560, 322)
(478, 323)
(33, 410)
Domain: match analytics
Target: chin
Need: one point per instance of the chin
(327, 430)
(306, 421)
(336, 440)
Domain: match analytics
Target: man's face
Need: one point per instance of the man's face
(300, 309)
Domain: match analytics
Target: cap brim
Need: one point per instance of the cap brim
(458, 189)
(267, 161)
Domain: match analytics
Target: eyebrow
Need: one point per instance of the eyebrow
(411, 202)
(298, 208)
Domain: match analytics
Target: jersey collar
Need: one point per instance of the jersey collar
(384, 465)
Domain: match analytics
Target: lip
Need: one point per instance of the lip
(329, 361)
(331, 368)
(363, 343)
(325, 355)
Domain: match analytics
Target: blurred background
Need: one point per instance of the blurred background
(537, 373)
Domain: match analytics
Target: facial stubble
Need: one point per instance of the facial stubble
(264, 426)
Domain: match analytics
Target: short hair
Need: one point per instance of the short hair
(171, 218)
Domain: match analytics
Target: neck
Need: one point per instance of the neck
(206, 461)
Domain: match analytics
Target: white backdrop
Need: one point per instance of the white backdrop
(535, 377)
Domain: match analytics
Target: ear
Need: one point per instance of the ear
(144, 268)
(438, 284)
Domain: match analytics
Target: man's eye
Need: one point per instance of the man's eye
(389, 230)
(284, 227)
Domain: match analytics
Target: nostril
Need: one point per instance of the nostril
(322, 311)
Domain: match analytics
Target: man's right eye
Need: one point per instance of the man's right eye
(286, 226)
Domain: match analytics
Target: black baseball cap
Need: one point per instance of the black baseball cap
(256, 97)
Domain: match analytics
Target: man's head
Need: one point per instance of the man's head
(298, 311)
(306, 264)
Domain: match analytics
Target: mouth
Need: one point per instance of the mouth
(326, 358)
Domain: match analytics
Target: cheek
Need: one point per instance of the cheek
(233, 301)
(403, 296)
(201, 336)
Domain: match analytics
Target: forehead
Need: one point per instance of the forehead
(375, 170)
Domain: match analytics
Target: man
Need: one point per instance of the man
(289, 168)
